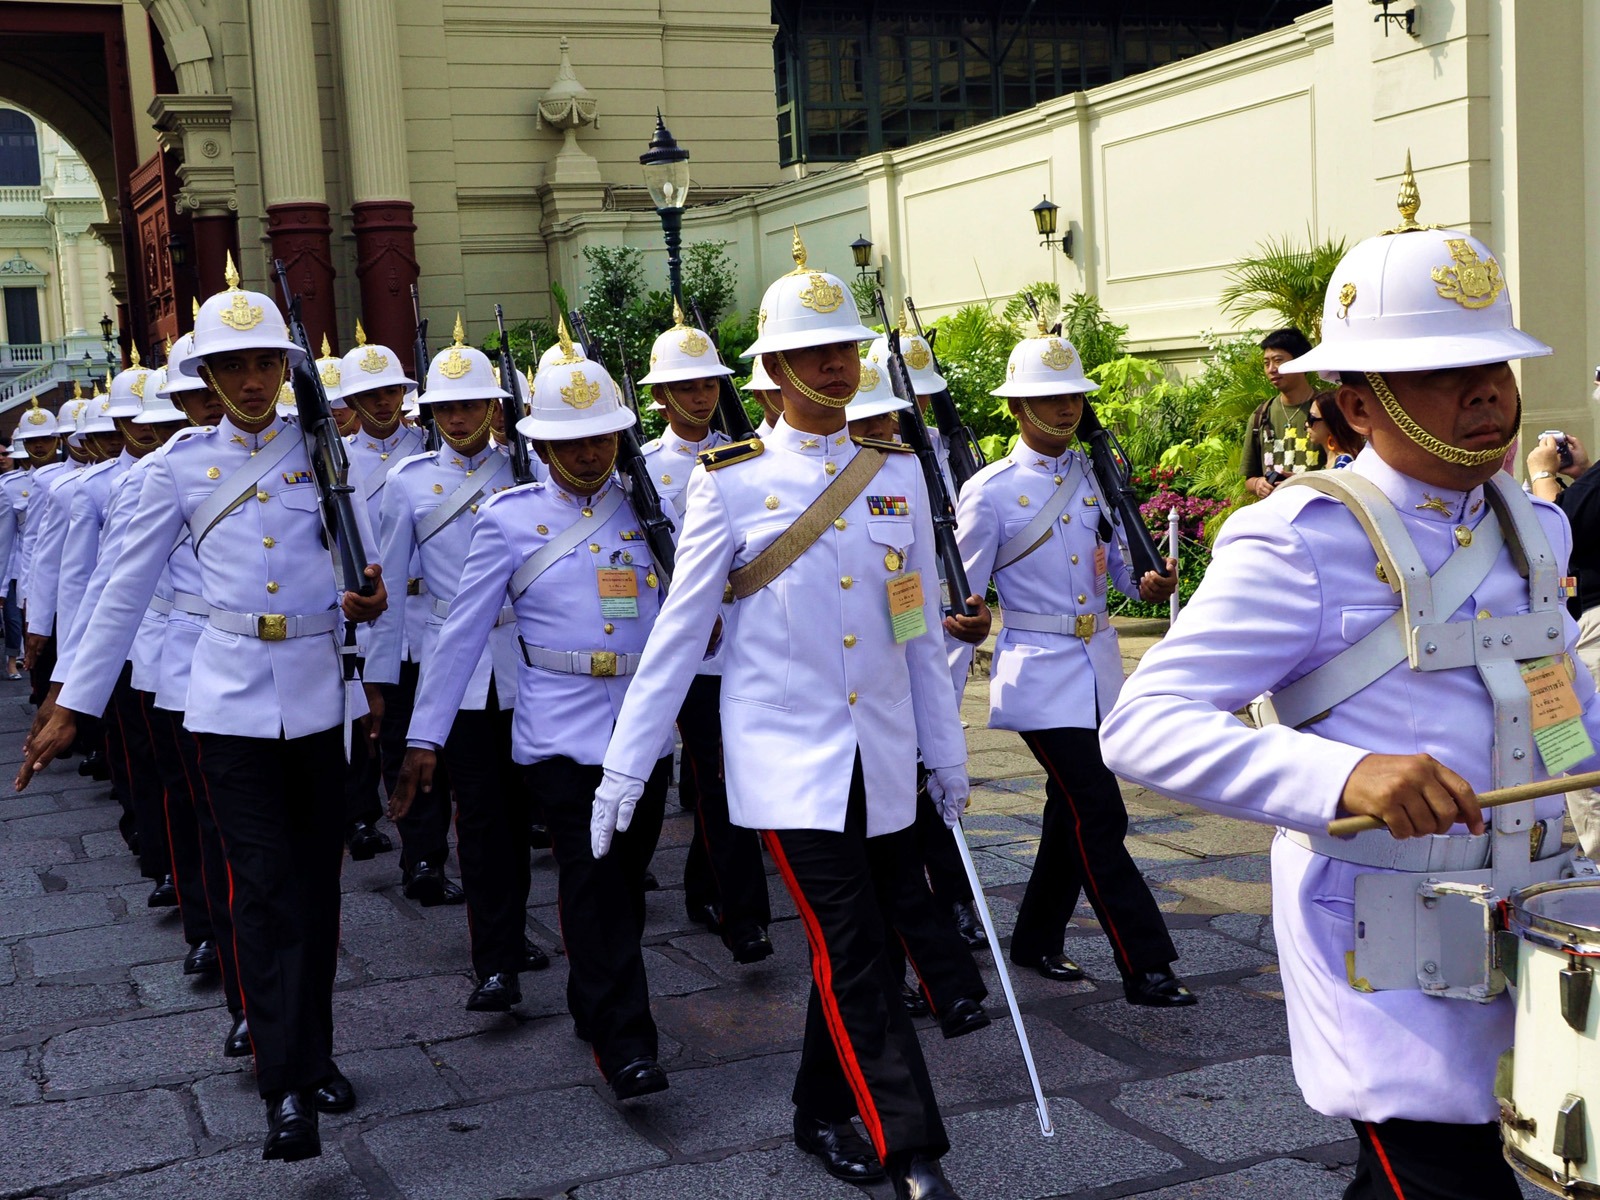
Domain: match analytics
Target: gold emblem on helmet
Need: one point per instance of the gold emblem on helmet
(1058, 356)
(36, 415)
(917, 354)
(242, 315)
(374, 363)
(330, 373)
(1472, 282)
(1347, 297)
(821, 296)
(869, 378)
(137, 386)
(583, 392)
(694, 343)
(454, 365)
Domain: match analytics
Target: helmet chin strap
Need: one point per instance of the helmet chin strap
(1442, 450)
(1060, 431)
(233, 409)
(578, 481)
(683, 414)
(368, 419)
(810, 393)
(460, 444)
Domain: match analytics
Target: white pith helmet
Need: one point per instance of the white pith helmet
(461, 372)
(760, 381)
(683, 352)
(925, 381)
(158, 408)
(125, 396)
(574, 398)
(368, 367)
(36, 422)
(875, 396)
(239, 320)
(72, 416)
(330, 369)
(804, 308)
(1044, 366)
(555, 354)
(1416, 299)
(175, 380)
(285, 402)
(17, 450)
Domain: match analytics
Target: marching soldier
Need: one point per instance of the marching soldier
(573, 558)
(724, 879)
(766, 392)
(845, 722)
(1033, 523)
(1418, 328)
(36, 444)
(266, 693)
(430, 507)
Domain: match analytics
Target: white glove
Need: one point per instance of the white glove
(614, 802)
(950, 792)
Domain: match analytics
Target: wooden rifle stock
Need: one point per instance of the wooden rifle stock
(511, 405)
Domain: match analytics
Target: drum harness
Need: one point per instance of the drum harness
(1426, 917)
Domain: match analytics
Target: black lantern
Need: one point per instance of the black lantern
(666, 175)
(1407, 18)
(177, 250)
(1044, 220)
(105, 328)
(861, 251)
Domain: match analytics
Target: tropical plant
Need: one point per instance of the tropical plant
(1285, 279)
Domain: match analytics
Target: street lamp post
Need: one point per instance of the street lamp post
(666, 175)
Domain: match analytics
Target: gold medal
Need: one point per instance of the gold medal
(893, 560)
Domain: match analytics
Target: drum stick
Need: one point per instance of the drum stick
(1554, 786)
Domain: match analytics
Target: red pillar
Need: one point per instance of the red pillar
(300, 234)
(386, 265)
(216, 235)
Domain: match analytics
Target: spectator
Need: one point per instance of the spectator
(1581, 502)
(1331, 433)
(1279, 442)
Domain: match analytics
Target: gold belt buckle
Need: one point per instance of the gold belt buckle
(603, 664)
(272, 627)
(1084, 625)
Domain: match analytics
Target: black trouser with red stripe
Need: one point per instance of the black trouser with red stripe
(277, 806)
(937, 846)
(132, 760)
(602, 908)
(861, 1054)
(198, 866)
(493, 807)
(724, 868)
(925, 929)
(1083, 849)
(1429, 1160)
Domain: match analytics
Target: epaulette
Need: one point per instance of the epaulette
(883, 444)
(718, 457)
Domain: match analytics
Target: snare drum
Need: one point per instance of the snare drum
(1550, 951)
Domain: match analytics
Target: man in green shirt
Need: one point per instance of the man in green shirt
(1279, 444)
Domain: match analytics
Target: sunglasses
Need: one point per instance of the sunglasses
(1313, 418)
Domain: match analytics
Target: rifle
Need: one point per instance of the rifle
(731, 415)
(1111, 470)
(915, 434)
(641, 489)
(511, 405)
(966, 459)
(419, 367)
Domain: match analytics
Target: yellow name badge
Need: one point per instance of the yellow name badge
(1558, 729)
(906, 614)
(619, 592)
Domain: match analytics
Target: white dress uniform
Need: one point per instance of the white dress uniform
(54, 507)
(14, 487)
(80, 548)
(120, 502)
(372, 461)
(32, 517)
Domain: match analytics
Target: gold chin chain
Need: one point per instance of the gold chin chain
(234, 410)
(461, 444)
(1442, 450)
(810, 393)
(577, 481)
(687, 417)
(128, 428)
(1060, 431)
(368, 419)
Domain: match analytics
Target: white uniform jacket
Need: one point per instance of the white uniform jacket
(181, 633)
(557, 714)
(121, 503)
(1292, 584)
(55, 507)
(14, 489)
(1043, 680)
(80, 550)
(416, 488)
(671, 459)
(372, 462)
(35, 497)
(265, 556)
(811, 673)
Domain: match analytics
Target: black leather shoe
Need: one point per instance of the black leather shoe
(750, 946)
(291, 1129)
(639, 1078)
(238, 1043)
(201, 959)
(843, 1152)
(94, 766)
(968, 924)
(1157, 989)
(538, 836)
(705, 914)
(1057, 967)
(430, 887)
(651, 883)
(965, 1015)
(334, 1094)
(533, 958)
(366, 841)
(916, 1003)
(497, 993)
(164, 895)
(923, 1180)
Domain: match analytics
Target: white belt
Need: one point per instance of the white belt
(441, 609)
(1436, 852)
(276, 627)
(188, 602)
(602, 664)
(1081, 625)
(159, 605)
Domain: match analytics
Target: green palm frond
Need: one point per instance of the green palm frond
(1286, 279)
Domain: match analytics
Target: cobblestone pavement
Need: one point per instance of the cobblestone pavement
(115, 1088)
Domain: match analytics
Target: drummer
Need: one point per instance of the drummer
(1418, 333)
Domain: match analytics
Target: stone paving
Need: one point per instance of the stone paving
(115, 1088)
